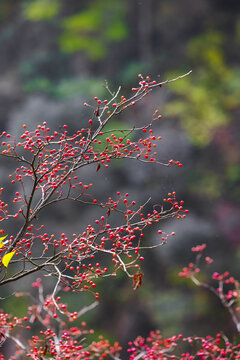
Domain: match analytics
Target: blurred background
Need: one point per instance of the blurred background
(56, 54)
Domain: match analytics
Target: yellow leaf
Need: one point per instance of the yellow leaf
(1, 241)
(7, 258)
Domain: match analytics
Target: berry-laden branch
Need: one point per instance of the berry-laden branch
(227, 288)
(49, 164)
(59, 339)
(49, 171)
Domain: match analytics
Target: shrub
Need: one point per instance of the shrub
(49, 164)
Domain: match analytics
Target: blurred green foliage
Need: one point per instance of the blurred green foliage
(66, 88)
(83, 86)
(17, 306)
(206, 97)
(169, 309)
(233, 172)
(129, 74)
(92, 29)
(38, 85)
(232, 188)
(41, 10)
(206, 51)
(206, 183)
(36, 64)
(238, 30)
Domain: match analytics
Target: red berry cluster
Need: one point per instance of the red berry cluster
(227, 288)
(201, 348)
